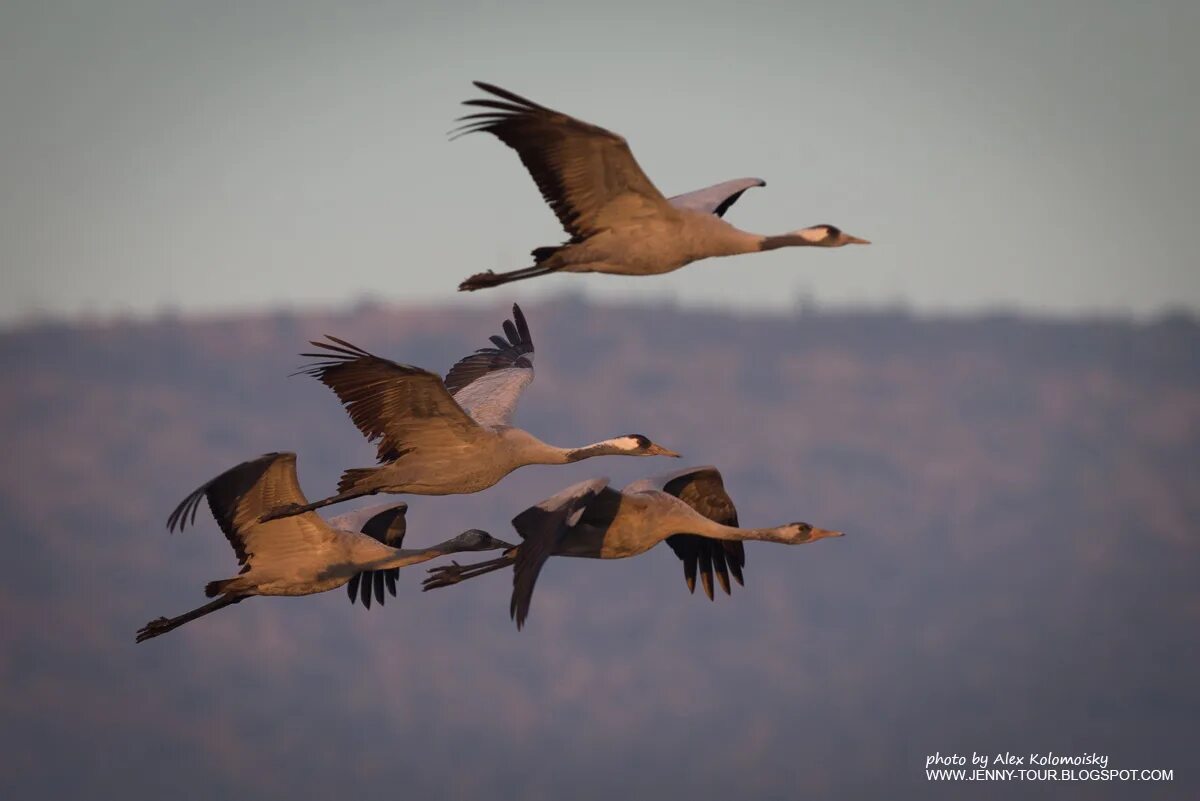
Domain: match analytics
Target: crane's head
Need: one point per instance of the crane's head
(828, 236)
(640, 445)
(476, 540)
(800, 533)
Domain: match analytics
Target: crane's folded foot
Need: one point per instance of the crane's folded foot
(453, 573)
(160, 625)
(443, 576)
(286, 510)
(479, 281)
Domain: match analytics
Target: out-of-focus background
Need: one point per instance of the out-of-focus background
(998, 401)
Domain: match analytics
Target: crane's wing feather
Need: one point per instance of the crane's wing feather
(386, 523)
(715, 199)
(488, 383)
(702, 489)
(404, 407)
(240, 495)
(541, 528)
(585, 173)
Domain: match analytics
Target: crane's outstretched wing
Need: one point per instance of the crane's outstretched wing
(488, 383)
(386, 523)
(586, 174)
(715, 199)
(702, 489)
(405, 408)
(541, 528)
(241, 494)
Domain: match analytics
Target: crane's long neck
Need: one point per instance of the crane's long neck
(406, 557)
(609, 447)
(797, 239)
(698, 524)
(723, 239)
(543, 453)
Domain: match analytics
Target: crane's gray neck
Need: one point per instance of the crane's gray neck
(711, 528)
(414, 556)
(605, 448)
(538, 452)
(784, 241)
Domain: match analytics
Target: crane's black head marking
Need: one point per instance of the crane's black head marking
(806, 532)
(476, 540)
(643, 441)
(835, 237)
(641, 445)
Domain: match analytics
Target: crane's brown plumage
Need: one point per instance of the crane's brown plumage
(585, 173)
(390, 402)
(237, 497)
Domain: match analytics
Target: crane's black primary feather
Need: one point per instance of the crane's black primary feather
(704, 491)
(389, 527)
(706, 570)
(513, 350)
(726, 203)
(365, 592)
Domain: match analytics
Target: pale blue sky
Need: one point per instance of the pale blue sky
(209, 156)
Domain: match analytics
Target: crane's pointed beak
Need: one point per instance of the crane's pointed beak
(854, 240)
(659, 450)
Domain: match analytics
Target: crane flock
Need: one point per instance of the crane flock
(454, 435)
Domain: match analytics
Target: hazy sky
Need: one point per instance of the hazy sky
(203, 156)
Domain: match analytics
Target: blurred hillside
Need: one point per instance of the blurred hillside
(1019, 573)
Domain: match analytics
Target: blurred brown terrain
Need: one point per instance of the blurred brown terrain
(1021, 499)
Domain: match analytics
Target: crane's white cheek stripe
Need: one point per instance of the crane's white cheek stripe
(812, 234)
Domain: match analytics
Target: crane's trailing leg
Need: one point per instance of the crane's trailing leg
(162, 625)
(445, 575)
(288, 510)
(490, 278)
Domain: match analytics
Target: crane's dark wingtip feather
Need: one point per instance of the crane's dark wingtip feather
(507, 95)
(721, 567)
(523, 327)
(177, 520)
(364, 593)
(510, 331)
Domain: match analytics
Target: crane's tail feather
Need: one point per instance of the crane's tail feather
(354, 478)
(214, 588)
(490, 278)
